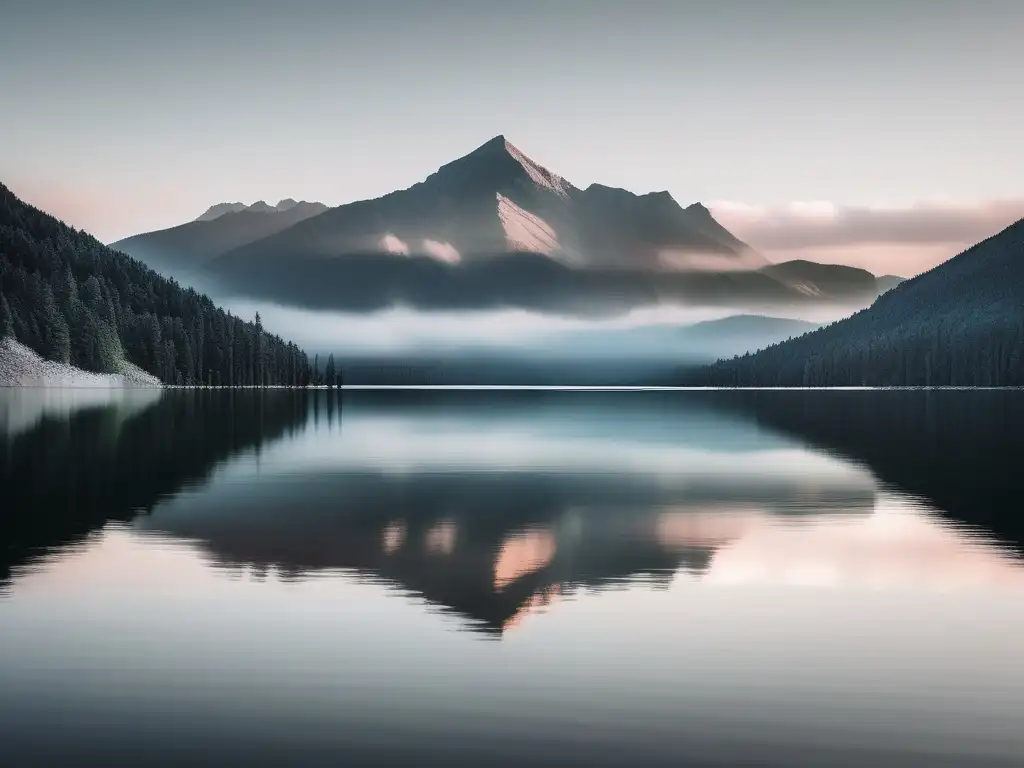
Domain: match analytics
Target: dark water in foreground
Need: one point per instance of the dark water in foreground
(775, 578)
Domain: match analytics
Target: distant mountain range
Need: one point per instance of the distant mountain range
(961, 324)
(888, 282)
(260, 206)
(490, 229)
(184, 250)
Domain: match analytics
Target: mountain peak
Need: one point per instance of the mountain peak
(218, 210)
(498, 160)
(260, 206)
(662, 198)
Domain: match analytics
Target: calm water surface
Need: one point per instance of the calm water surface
(291, 578)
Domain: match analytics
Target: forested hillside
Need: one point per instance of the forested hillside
(74, 300)
(960, 324)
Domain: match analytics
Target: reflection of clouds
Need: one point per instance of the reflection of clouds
(900, 545)
(522, 553)
(678, 529)
(428, 445)
(393, 537)
(440, 539)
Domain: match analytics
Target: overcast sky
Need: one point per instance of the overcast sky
(123, 116)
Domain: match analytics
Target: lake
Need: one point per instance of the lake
(511, 578)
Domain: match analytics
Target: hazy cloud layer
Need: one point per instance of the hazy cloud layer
(404, 330)
(824, 225)
(901, 240)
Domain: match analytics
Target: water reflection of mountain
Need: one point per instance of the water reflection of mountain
(490, 508)
(493, 535)
(66, 471)
(959, 449)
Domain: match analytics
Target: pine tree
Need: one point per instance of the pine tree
(330, 372)
(6, 318)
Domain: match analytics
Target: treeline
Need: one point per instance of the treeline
(949, 352)
(960, 324)
(74, 300)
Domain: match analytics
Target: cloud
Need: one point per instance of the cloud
(404, 330)
(392, 244)
(811, 225)
(445, 252)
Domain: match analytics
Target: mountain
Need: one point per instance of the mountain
(496, 229)
(961, 323)
(497, 200)
(888, 282)
(73, 300)
(182, 250)
(214, 211)
(832, 280)
(218, 210)
(740, 334)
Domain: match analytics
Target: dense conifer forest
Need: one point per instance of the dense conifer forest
(959, 324)
(74, 300)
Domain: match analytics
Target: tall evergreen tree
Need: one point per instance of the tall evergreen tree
(330, 372)
(6, 318)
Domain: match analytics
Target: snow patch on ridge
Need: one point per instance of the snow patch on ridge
(539, 175)
(525, 231)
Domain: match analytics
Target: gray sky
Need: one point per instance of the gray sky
(123, 116)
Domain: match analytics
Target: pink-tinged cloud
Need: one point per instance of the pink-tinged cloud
(393, 244)
(445, 252)
(896, 240)
(822, 224)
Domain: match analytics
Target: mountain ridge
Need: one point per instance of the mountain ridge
(220, 209)
(492, 228)
(961, 323)
(181, 250)
(495, 198)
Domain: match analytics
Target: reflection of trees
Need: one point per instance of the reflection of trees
(68, 475)
(489, 546)
(959, 449)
